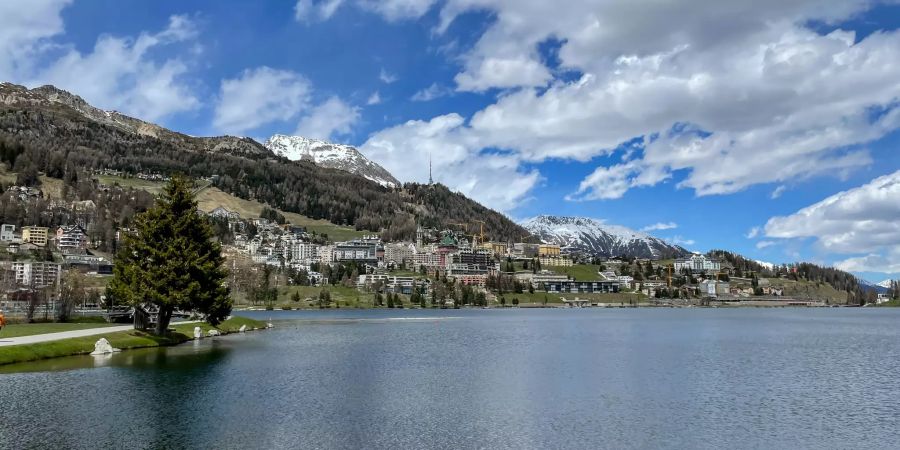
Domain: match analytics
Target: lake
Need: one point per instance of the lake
(550, 378)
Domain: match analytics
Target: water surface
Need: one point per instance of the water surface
(586, 378)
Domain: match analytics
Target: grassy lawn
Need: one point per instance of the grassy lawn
(29, 329)
(580, 272)
(122, 340)
(153, 187)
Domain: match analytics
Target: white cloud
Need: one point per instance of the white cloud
(754, 232)
(119, 73)
(260, 96)
(25, 32)
(778, 191)
(496, 180)
(310, 10)
(725, 95)
(678, 240)
(386, 77)
(862, 219)
(764, 244)
(430, 93)
(374, 99)
(871, 263)
(393, 10)
(660, 226)
(331, 118)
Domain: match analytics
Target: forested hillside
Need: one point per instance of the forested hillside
(54, 137)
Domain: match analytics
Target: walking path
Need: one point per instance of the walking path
(47, 337)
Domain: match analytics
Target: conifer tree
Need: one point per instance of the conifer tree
(171, 261)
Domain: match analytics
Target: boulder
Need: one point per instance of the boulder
(214, 333)
(198, 333)
(103, 347)
(243, 328)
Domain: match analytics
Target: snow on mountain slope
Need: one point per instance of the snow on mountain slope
(586, 235)
(885, 284)
(334, 156)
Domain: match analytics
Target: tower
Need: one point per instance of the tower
(430, 180)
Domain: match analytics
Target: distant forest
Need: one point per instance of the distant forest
(59, 141)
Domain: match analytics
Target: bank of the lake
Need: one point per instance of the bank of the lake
(124, 340)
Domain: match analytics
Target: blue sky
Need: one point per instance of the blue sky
(776, 120)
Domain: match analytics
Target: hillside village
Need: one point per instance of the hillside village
(59, 263)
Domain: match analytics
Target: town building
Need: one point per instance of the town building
(399, 254)
(36, 273)
(71, 239)
(357, 250)
(548, 250)
(697, 263)
(304, 252)
(555, 261)
(35, 235)
(582, 287)
(7, 232)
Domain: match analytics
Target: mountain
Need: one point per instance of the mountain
(64, 104)
(49, 130)
(334, 156)
(881, 288)
(593, 237)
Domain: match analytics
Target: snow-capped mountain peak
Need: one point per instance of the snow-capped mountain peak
(595, 237)
(885, 284)
(327, 154)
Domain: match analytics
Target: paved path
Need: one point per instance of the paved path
(35, 338)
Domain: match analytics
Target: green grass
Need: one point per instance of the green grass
(30, 329)
(580, 272)
(122, 340)
(892, 303)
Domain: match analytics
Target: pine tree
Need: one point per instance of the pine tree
(171, 260)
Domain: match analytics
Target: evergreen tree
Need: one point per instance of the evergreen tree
(171, 260)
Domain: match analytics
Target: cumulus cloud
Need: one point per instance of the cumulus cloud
(871, 263)
(660, 226)
(313, 10)
(862, 220)
(120, 73)
(259, 96)
(723, 95)
(25, 32)
(330, 119)
(678, 240)
(386, 77)
(754, 232)
(430, 93)
(374, 99)
(496, 180)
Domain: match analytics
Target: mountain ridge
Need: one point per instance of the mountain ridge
(597, 238)
(331, 155)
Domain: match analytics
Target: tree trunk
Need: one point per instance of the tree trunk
(162, 321)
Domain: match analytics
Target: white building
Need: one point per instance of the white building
(326, 254)
(7, 232)
(36, 273)
(697, 263)
(399, 253)
(304, 252)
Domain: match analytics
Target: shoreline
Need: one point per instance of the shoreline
(122, 340)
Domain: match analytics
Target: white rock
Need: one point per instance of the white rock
(198, 333)
(103, 347)
(214, 333)
(243, 328)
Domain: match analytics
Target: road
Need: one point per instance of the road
(37, 338)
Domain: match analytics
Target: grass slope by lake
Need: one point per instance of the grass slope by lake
(122, 340)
